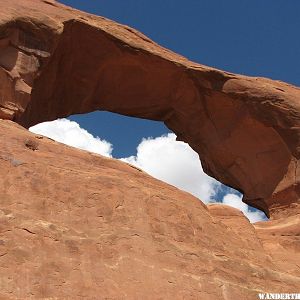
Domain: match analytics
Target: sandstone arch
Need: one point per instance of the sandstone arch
(63, 62)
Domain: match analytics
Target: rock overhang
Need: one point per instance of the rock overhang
(246, 130)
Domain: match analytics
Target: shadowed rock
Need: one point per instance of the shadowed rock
(56, 61)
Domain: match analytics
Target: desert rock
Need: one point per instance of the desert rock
(77, 225)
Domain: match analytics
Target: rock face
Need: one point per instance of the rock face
(56, 61)
(77, 225)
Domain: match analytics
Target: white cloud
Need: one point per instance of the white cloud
(236, 202)
(175, 163)
(70, 133)
(162, 157)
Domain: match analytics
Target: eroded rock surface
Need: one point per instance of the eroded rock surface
(76, 225)
(56, 61)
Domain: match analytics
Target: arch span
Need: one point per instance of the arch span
(246, 130)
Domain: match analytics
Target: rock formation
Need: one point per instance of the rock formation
(77, 225)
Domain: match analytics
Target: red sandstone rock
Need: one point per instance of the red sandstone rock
(76, 225)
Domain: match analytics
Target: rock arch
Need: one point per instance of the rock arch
(63, 62)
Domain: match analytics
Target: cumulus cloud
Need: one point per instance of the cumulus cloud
(236, 202)
(175, 163)
(162, 157)
(70, 133)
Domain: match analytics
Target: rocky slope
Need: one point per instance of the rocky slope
(77, 225)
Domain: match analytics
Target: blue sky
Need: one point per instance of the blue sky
(256, 38)
(259, 38)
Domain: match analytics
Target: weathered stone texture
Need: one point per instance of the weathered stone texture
(78, 225)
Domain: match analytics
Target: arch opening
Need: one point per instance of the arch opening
(150, 146)
(219, 114)
(239, 125)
